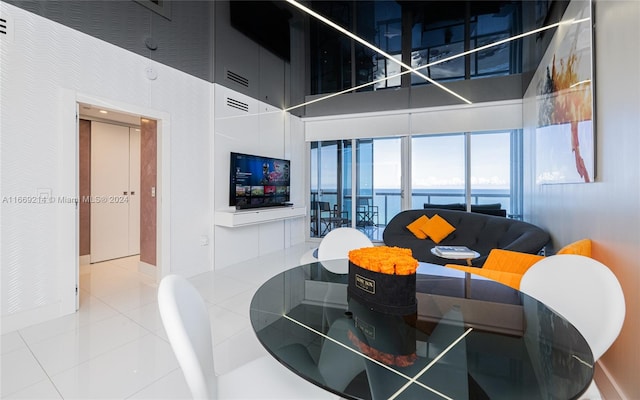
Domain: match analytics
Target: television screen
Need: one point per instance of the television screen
(258, 181)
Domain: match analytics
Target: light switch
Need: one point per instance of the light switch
(153, 191)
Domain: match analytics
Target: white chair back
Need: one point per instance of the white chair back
(186, 320)
(337, 243)
(582, 290)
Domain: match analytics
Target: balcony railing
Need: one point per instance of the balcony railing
(388, 203)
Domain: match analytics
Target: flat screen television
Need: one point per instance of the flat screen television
(258, 181)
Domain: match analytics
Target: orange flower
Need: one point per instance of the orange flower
(385, 259)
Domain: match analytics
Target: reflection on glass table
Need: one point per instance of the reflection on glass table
(470, 338)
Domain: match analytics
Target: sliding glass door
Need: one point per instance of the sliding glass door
(378, 184)
(330, 184)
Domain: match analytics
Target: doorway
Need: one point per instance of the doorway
(118, 187)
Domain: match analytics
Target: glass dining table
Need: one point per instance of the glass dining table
(470, 338)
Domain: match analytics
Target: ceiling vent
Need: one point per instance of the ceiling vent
(237, 104)
(239, 79)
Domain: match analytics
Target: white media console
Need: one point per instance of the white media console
(232, 218)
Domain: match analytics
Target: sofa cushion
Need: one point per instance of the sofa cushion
(581, 248)
(510, 261)
(437, 228)
(416, 227)
(489, 209)
(511, 279)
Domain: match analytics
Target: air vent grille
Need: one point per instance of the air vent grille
(6, 29)
(239, 79)
(3, 26)
(237, 104)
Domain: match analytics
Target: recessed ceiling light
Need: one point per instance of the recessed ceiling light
(103, 112)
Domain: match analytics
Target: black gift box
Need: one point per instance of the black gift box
(391, 294)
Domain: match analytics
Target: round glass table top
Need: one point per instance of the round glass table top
(471, 338)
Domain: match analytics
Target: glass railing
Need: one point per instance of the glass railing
(388, 203)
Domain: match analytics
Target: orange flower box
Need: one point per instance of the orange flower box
(384, 279)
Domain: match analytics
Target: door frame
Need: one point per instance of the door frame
(71, 269)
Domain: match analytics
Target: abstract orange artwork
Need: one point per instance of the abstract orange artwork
(565, 145)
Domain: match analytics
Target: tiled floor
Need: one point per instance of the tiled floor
(115, 346)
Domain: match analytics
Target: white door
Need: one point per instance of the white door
(109, 191)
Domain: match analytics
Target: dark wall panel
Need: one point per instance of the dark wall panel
(184, 42)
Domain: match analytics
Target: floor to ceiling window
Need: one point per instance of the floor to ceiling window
(330, 184)
(437, 169)
(490, 179)
(379, 177)
(469, 169)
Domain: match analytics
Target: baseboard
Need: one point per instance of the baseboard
(30, 317)
(148, 269)
(607, 385)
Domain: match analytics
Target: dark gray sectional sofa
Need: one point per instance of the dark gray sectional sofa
(479, 232)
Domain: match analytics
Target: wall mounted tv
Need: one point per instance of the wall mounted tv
(258, 181)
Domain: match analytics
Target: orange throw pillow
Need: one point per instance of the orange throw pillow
(437, 228)
(510, 261)
(416, 227)
(581, 248)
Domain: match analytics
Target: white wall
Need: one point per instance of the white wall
(266, 131)
(608, 210)
(45, 68)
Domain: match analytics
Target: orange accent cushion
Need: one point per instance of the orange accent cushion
(437, 228)
(416, 227)
(511, 279)
(581, 248)
(510, 261)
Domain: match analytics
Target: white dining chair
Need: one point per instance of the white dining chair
(186, 320)
(586, 293)
(337, 244)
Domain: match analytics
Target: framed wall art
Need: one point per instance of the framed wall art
(565, 129)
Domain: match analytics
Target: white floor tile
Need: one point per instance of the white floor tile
(219, 288)
(91, 310)
(225, 324)
(171, 386)
(132, 298)
(237, 350)
(148, 316)
(11, 341)
(69, 349)
(240, 303)
(19, 371)
(119, 373)
(41, 390)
